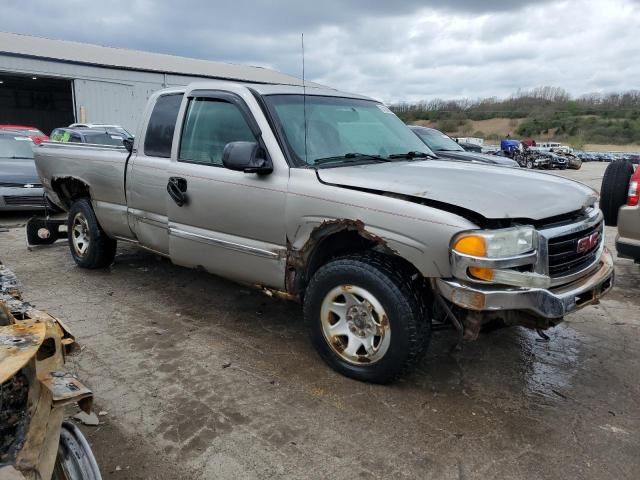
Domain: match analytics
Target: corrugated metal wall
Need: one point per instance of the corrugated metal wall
(106, 95)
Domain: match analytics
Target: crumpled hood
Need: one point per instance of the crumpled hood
(491, 191)
(479, 157)
(18, 171)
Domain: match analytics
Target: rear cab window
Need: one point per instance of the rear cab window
(162, 123)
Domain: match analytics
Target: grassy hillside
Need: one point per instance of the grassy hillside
(543, 113)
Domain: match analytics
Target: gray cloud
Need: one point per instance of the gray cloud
(407, 50)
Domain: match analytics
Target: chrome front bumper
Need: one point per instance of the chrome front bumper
(548, 303)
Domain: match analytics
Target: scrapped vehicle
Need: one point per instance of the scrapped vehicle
(114, 128)
(35, 441)
(327, 198)
(94, 136)
(20, 187)
(573, 161)
(550, 160)
(33, 133)
(620, 194)
(553, 147)
(447, 148)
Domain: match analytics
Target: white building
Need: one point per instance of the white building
(53, 83)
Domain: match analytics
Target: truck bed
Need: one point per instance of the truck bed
(100, 167)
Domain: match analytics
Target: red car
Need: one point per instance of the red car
(33, 133)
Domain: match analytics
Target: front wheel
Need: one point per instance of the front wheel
(89, 244)
(366, 317)
(530, 164)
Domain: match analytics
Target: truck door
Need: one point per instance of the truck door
(232, 223)
(146, 180)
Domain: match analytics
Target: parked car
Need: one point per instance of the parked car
(114, 128)
(447, 148)
(327, 198)
(33, 133)
(93, 135)
(20, 187)
(619, 199)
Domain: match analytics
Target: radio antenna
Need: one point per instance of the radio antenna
(304, 105)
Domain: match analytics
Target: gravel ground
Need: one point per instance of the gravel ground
(201, 378)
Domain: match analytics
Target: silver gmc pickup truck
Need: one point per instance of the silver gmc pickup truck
(327, 198)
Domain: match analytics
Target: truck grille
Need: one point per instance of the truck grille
(20, 184)
(564, 257)
(24, 200)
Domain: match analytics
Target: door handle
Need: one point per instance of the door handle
(177, 189)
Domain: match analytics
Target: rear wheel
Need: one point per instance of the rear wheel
(366, 317)
(89, 244)
(614, 190)
(530, 163)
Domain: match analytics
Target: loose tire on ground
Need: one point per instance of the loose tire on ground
(89, 244)
(382, 286)
(614, 190)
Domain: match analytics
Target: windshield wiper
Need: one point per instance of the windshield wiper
(411, 155)
(21, 158)
(349, 158)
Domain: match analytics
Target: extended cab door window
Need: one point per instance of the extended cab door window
(209, 125)
(162, 123)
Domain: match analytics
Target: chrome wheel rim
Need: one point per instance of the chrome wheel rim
(355, 325)
(80, 234)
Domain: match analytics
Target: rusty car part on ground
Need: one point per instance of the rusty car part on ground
(34, 389)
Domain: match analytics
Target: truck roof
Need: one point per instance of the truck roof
(266, 89)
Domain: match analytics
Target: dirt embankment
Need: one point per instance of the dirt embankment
(496, 128)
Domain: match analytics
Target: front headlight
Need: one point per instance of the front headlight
(507, 242)
(493, 247)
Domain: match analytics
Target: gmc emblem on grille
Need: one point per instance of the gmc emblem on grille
(587, 243)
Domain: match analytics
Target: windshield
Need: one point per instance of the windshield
(437, 141)
(342, 129)
(16, 148)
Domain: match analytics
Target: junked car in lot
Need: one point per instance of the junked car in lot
(20, 187)
(92, 135)
(620, 197)
(107, 126)
(327, 198)
(447, 148)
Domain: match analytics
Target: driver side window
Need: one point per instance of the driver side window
(211, 124)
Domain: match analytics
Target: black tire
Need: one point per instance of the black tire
(530, 164)
(402, 300)
(614, 190)
(99, 250)
(33, 227)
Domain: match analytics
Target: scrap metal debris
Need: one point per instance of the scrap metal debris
(85, 418)
(34, 388)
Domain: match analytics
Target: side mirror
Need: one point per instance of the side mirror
(128, 144)
(247, 157)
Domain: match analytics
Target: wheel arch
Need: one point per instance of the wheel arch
(69, 189)
(332, 239)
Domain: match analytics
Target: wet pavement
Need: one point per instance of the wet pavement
(202, 379)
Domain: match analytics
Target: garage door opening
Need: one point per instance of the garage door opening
(44, 103)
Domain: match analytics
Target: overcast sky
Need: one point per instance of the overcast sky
(393, 50)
